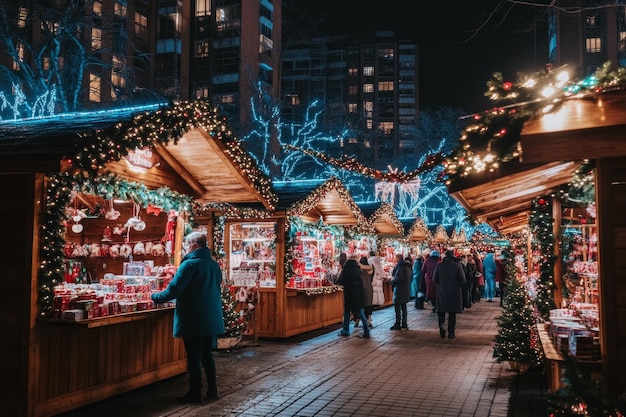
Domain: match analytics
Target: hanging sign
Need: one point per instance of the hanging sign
(142, 159)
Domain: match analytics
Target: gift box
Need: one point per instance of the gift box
(73, 315)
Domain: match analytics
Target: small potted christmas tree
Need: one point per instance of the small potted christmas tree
(234, 323)
(517, 339)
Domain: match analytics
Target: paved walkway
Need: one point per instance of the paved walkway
(393, 374)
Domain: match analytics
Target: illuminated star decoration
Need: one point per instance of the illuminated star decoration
(350, 163)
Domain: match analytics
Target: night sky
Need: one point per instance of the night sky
(454, 62)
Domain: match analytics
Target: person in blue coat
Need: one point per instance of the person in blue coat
(489, 272)
(198, 317)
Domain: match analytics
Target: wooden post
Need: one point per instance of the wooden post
(558, 265)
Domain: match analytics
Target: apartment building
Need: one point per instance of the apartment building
(584, 34)
(368, 84)
(128, 51)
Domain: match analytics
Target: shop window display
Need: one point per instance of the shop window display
(252, 258)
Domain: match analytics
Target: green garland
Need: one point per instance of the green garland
(540, 223)
(59, 192)
(161, 127)
(492, 137)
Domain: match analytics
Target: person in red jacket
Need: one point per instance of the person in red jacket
(428, 271)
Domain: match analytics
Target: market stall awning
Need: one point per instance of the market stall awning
(551, 149)
(582, 128)
(207, 165)
(418, 231)
(329, 201)
(383, 219)
(503, 198)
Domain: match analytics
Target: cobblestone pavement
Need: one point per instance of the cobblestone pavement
(395, 373)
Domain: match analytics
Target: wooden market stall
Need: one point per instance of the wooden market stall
(290, 254)
(551, 148)
(98, 201)
(384, 222)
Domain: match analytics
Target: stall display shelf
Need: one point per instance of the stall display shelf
(252, 255)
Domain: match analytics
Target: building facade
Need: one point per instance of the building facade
(368, 84)
(584, 34)
(138, 50)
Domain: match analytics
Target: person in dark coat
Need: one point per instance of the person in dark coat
(470, 271)
(198, 317)
(428, 270)
(401, 283)
(450, 280)
(502, 277)
(367, 275)
(353, 296)
(417, 281)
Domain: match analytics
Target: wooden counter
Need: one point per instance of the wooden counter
(555, 360)
(89, 360)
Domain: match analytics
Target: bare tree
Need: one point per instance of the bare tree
(50, 46)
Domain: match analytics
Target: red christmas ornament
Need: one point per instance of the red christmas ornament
(542, 201)
(583, 221)
(507, 85)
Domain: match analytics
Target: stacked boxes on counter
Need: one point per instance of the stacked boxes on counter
(573, 337)
(115, 294)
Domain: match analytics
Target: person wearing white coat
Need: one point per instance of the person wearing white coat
(378, 298)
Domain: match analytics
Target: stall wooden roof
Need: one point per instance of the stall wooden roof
(383, 219)
(313, 200)
(418, 231)
(503, 198)
(552, 147)
(199, 164)
(205, 163)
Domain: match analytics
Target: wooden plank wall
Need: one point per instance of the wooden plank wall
(79, 365)
(611, 206)
(16, 207)
(305, 313)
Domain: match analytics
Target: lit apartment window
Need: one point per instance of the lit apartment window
(95, 83)
(294, 99)
(21, 52)
(385, 127)
(202, 49)
(352, 108)
(386, 53)
(593, 45)
(591, 21)
(120, 8)
(226, 99)
(353, 72)
(202, 92)
(265, 45)
(368, 71)
(222, 15)
(96, 39)
(368, 88)
(22, 16)
(368, 108)
(353, 90)
(141, 26)
(97, 8)
(203, 7)
(385, 86)
(45, 63)
(117, 73)
(369, 124)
